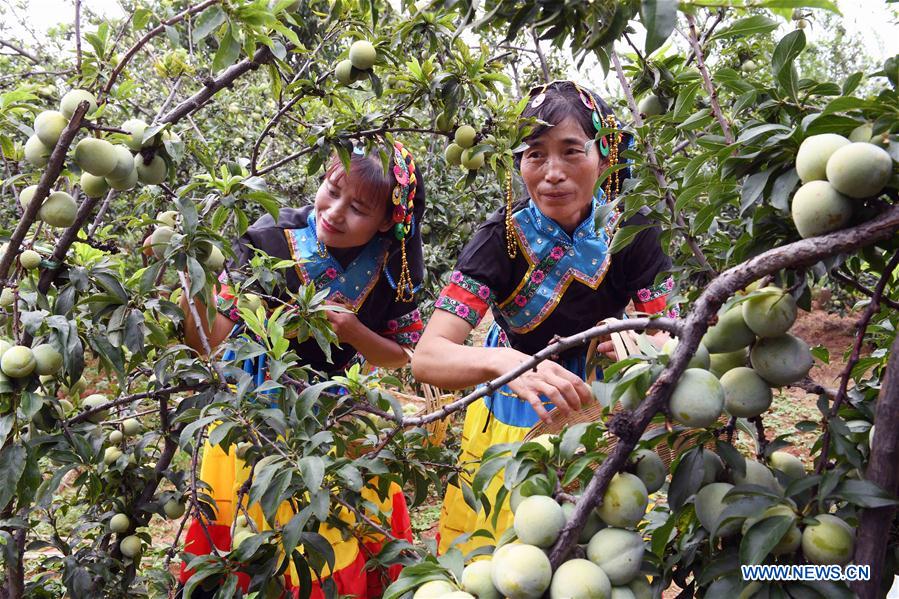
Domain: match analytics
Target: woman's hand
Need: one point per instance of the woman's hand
(563, 388)
(346, 325)
(607, 348)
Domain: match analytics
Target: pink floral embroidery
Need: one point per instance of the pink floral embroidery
(669, 283)
(392, 325)
(401, 176)
(414, 337)
(557, 252)
(456, 277)
(462, 310)
(331, 273)
(520, 300)
(643, 295)
(673, 313)
(484, 292)
(538, 276)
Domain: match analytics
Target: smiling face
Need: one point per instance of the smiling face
(349, 213)
(560, 173)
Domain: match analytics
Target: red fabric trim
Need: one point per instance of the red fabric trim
(464, 296)
(653, 306)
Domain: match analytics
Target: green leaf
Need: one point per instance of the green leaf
(208, 21)
(625, 235)
(785, 53)
(748, 26)
(659, 17)
(762, 537)
(864, 493)
(12, 465)
(228, 51)
(774, 4)
(312, 468)
(140, 19)
(687, 478)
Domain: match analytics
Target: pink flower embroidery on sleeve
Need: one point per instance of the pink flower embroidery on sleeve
(331, 273)
(557, 252)
(644, 295)
(392, 325)
(483, 292)
(520, 301)
(538, 276)
(462, 310)
(456, 277)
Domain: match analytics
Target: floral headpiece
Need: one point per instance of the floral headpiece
(403, 206)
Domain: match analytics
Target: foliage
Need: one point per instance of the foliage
(721, 181)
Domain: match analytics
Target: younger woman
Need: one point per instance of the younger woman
(360, 240)
(544, 269)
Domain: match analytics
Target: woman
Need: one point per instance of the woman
(360, 240)
(543, 268)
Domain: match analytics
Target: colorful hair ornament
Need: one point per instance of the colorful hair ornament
(404, 203)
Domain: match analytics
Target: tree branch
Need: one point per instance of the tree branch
(48, 179)
(657, 169)
(840, 276)
(543, 66)
(872, 309)
(631, 324)
(20, 51)
(801, 253)
(82, 416)
(150, 35)
(693, 38)
(78, 37)
(227, 77)
(876, 523)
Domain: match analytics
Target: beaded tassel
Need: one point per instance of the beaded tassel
(511, 243)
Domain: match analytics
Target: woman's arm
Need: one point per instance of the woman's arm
(219, 331)
(442, 360)
(376, 349)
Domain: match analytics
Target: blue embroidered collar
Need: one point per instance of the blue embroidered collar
(350, 286)
(555, 259)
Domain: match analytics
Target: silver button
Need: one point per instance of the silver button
(303, 238)
(594, 261)
(581, 234)
(527, 312)
(540, 241)
(342, 279)
(357, 287)
(571, 252)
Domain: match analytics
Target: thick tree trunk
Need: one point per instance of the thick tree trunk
(876, 523)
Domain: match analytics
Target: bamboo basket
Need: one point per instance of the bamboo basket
(431, 401)
(625, 346)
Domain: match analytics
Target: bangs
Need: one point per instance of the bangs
(557, 107)
(366, 181)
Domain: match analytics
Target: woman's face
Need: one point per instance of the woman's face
(560, 174)
(343, 220)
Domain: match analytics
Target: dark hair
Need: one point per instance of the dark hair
(561, 101)
(366, 179)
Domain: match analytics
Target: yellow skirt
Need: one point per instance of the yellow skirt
(456, 517)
